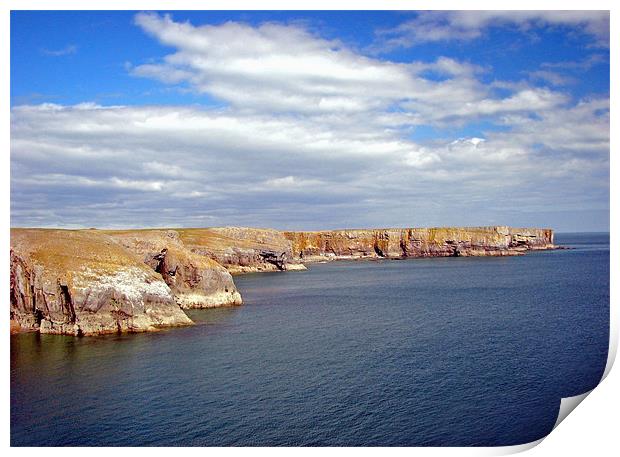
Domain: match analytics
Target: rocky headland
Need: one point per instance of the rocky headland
(85, 283)
(88, 282)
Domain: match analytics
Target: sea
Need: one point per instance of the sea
(417, 352)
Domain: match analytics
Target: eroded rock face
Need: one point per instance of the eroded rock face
(196, 281)
(83, 283)
(242, 249)
(425, 242)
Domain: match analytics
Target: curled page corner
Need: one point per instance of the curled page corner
(613, 345)
(567, 405)
(507, 450)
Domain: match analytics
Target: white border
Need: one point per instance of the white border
(591, 430)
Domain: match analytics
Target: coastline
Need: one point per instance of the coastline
(91, 282)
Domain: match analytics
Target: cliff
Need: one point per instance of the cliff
(195, 280)
(417, 242)
(85, 282)
(242, 249)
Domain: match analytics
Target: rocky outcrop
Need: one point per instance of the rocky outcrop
(83, 283)
(196, 281)
(417, 242)
(242, 249)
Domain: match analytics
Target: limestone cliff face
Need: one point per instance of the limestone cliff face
(83, 283)
(196, 281)
(422, 242)
(242, 249)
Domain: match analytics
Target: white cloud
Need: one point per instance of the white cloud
(432, 26)
(292, 182)
(258, 170)
(165, 169)
(579, 65)
(281, 72)
(50, 180)
(272, 66)
(285, 69)
(67, 50)
(551, 77)
(441, 109)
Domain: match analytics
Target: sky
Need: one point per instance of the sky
(310, 120)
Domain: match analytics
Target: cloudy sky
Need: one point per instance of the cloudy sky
(310, 120)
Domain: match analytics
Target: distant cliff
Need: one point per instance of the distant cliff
(86, 282)
(243, 250)
(417, 242)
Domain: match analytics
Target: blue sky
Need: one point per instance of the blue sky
(310, 120)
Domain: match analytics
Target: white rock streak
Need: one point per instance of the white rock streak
(133, 283)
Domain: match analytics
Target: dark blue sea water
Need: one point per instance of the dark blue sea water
(454, 351)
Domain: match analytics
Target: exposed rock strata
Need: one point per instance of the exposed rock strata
(196, 281)
(83, 283)
(242, 249)
(422, 242)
